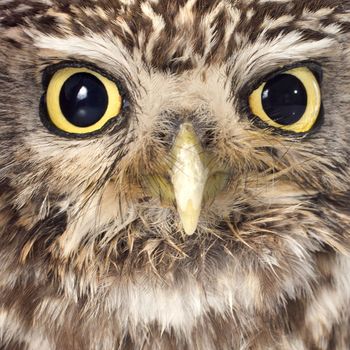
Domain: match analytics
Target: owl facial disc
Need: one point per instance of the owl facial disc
(189, 177)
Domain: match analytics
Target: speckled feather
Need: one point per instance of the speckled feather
(89, 261)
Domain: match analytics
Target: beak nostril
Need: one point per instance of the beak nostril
(208, 138)
(161, 135)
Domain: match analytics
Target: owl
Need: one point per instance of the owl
(174, 174)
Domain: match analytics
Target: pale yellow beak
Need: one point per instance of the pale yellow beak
(189, 175)
(196, 177)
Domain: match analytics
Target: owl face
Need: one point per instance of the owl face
(192, 147)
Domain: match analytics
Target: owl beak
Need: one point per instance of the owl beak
(189, 176)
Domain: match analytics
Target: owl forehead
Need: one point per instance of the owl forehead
(178, 35)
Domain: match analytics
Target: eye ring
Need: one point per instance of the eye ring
(312, 109)
(53, 100)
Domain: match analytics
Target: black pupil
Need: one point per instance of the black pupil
(284, 99)
(83, 99)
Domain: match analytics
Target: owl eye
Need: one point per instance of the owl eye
(81, 101)
(290, 101)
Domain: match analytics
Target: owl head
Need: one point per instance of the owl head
(152, 149)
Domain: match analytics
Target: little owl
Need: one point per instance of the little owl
(174, 174)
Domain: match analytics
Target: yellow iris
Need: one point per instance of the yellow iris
(313, 106)
(54, 108)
